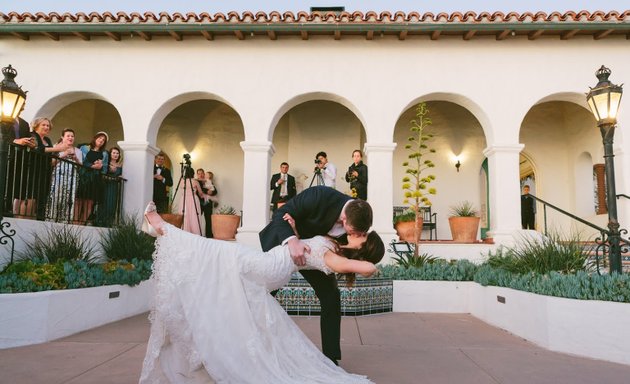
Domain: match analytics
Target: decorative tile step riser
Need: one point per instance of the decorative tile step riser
(367, 296)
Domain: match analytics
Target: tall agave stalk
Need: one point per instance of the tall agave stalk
(415, 184)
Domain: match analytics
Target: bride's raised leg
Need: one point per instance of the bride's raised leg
(154, 222)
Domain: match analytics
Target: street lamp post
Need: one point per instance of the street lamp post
(604, 101)
(12, 99)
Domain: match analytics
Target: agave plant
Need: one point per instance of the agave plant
(415, 182)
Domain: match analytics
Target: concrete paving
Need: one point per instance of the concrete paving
(395, 348)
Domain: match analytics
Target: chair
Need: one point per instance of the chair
(429, 219)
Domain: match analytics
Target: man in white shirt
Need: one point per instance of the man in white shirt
(327, 169)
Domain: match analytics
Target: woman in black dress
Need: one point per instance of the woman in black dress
(95, 164)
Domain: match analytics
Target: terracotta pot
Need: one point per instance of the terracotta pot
(464, 229)
(173, 219)
(406, 230)
(224, 227)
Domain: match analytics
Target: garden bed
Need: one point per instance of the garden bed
(38, 317)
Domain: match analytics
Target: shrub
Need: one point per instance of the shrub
(460, 270)
(406, 216)
(408, 260)
(226, 210)
(59, 243)
(125, 240)
(30, 276)
(463, 209)
(564, 254)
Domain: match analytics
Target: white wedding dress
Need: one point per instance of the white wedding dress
(214, 321)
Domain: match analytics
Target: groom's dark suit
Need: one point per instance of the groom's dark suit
(315, 211)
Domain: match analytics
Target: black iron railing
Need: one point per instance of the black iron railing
(44, 187)
(602, 249)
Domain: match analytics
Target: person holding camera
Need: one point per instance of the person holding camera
(357, 175)
(283, 186)
(327, 169)
(161, 180)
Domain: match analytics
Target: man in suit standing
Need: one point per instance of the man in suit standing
(283, 186)
(161, 179)
(319, 210)
(528, 209)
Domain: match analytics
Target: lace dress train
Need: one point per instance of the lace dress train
(214, 321)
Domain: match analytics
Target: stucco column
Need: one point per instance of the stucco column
(257, 161)
(380, 187)
(622, 169)
(504, 189)
(137, 170)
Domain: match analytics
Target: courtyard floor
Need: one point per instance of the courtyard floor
(391, 348)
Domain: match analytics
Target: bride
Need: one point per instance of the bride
(213, 320)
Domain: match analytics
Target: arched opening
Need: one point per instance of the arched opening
(311, 127)
(458, 137)
(210, 131)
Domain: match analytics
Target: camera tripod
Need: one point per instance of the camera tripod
(317, 175)
(187, 184)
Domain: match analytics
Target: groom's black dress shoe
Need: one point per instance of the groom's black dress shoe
(335, 361)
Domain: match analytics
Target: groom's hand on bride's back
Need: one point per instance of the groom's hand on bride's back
(298, 250)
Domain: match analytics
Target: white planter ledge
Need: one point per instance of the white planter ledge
(589, 328)
(37, 317)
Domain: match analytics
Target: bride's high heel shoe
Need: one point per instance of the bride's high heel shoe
(146, 225)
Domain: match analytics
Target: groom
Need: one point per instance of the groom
(319, 211)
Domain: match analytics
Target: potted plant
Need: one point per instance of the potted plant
(415, 183)
(464, 222)
(225, 223)
(405, 225)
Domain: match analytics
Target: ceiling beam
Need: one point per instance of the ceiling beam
(469, 35)
(533, 35)
(22, 36)
(176, 35)
(369, 35)
(602, 34)
(115, 36)
(239, 35)
(402, 35)
(503, 34)
(304, 35)
(83, 36)
(435, 35)
(272, 35)
(145, 35)
(209, 36)
(52, 35)
(569, 34)
(337, 35)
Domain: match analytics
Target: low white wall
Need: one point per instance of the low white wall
(25, 233)
(589, 328)
(37, 317)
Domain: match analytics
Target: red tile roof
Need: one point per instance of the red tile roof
(467, 25)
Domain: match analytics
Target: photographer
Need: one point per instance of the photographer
(357, 175)
(327, 169)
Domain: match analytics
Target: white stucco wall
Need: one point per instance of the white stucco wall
(497, 82)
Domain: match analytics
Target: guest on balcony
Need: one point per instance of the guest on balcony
(33, 170)
(65, 180)
(95, 164)
(113, 187)
(16, 182)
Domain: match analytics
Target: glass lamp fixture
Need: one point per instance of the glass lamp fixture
(12, 97)
(604, 99)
